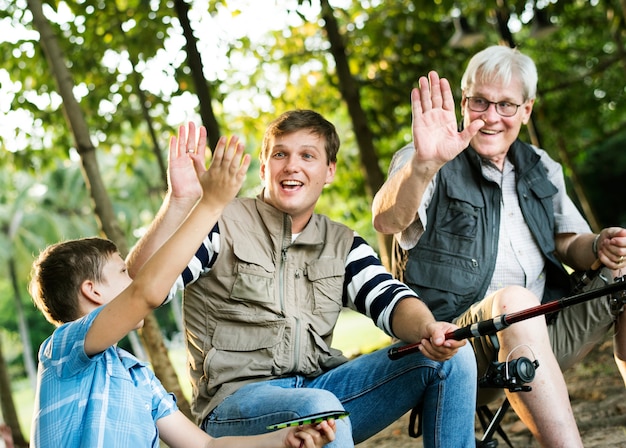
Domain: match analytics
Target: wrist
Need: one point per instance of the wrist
(180, 204)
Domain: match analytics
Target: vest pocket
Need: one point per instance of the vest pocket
(244, 351)
(253, 287)
(464, 209)
(461, 272)
(447, 283)
(254, 275)
(326, 278)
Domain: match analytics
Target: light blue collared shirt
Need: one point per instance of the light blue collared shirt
(108, 400)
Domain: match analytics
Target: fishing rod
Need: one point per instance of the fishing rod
(492, 326)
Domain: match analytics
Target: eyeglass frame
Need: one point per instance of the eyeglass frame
(489, 103)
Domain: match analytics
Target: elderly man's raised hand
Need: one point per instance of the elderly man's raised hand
(436, 137)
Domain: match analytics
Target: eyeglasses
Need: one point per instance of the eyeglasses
(504, 108)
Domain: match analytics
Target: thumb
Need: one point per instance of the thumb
(472, 129)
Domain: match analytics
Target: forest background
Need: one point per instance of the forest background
(90, 92)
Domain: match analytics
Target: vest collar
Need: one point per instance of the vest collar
(278, 222)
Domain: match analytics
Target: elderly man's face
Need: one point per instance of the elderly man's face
(495, 138)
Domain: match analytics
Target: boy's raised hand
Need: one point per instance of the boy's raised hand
(188, 177)
(225, 176)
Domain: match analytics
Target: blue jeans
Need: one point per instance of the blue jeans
(374, 389)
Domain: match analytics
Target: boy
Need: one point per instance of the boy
(92, 393)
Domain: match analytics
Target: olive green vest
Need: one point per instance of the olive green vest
(268, 307)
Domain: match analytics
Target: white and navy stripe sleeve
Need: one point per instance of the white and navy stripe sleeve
(369, 288)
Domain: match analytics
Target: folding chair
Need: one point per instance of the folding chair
(490, 423)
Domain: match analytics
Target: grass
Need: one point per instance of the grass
(354, 334)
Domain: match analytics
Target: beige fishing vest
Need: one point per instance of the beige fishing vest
(268, 306)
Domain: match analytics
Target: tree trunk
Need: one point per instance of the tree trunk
(29, 359)
(197, 73)
(159, 356)
(6, 402)
(91, 172)
(578, 189)
(374, 177)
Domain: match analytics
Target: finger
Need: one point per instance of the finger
(202, 142)
(446, 95)
(173, 151)
(305, 439)
(191, 138)
(416, 104)
(232, 149)
(425, 100)
(435, 90)
(218, 152)
(434, 352)
(471, 130)
(181, 140)
(242, 163)
(328, 429)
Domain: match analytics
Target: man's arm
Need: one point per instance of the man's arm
(436, 140)
(220, 184)
(414, 323)
(392, 305)
(395, 205)
(580, 251)
(184, 190)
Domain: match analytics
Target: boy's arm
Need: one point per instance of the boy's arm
(183, 192)
(220, 184)
(177, 431)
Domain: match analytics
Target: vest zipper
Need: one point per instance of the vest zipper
(296, 329)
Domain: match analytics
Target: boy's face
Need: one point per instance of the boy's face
(295, 172)
(115, 278)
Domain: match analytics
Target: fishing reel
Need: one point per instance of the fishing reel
(512, 374)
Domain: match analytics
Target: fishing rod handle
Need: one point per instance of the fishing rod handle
(482, 328)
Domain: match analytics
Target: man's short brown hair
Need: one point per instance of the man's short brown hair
(302, 119)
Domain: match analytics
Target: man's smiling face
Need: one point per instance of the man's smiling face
(295, 172)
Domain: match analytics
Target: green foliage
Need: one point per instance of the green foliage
(608, 158)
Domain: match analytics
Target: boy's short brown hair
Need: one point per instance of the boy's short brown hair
(59, 271)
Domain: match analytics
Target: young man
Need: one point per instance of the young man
(92, 393)
(263, 295)
(488, 226)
